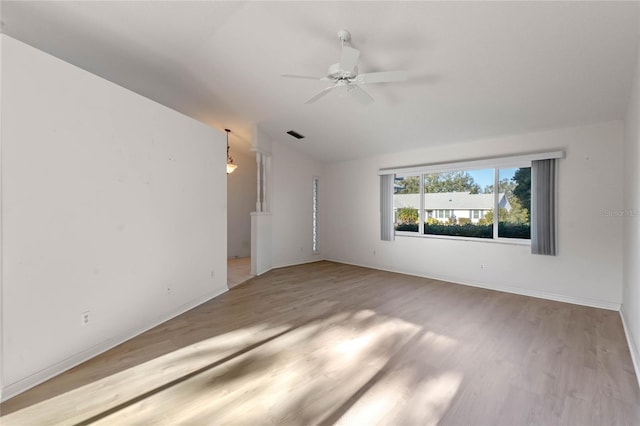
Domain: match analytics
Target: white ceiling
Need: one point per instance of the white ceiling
(476, 69)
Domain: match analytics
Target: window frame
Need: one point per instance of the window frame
(315, 235)
(516, 162)
(421, 207)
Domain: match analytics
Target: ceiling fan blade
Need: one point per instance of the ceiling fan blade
(382, 77)
(306, 77)
(320, 94)
(360, 95)
(349, 58)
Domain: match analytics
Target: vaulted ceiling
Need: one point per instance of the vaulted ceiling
(476, 69)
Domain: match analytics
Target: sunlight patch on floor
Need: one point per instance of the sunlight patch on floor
(95, 397)
(399, 400)
(350, 364)
(411, 391)
(433, 397)
(300, 375)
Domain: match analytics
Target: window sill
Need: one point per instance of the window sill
(508, 241)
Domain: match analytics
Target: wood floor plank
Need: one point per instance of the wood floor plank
(327, 343)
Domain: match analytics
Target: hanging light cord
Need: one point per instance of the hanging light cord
(230, 166)
(229, 157)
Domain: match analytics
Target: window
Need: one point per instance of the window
(406, 203)
(502, 198)
(314, 217)
(443, 214)
(514, 218)
(458, 197)
(462, 203)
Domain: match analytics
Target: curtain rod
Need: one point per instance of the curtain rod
(512, 160)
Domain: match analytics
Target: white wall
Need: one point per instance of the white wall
(291, 206)
(241, 201)
(261, 244)
(631, 293)
(108, 200)
(1, 210)
(588, 269)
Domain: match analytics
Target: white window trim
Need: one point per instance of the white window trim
(421, 218)
(496, 164)
(502, 240)
(496, 201)
(315, 249)
(485, 163)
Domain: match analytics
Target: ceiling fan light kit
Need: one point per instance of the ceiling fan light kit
(344, 74)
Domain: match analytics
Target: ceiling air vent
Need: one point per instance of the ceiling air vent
(295, 134)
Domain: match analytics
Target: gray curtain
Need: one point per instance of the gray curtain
(543, 207)
(386, 208)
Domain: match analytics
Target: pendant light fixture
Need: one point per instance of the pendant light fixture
(230, 166)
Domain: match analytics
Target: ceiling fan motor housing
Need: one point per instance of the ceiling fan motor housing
(344, 36)
(336, 73)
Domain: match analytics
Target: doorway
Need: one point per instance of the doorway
(241, 201)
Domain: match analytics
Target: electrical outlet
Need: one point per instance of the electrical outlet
(168, 290)
(482, 266)
(84, 318)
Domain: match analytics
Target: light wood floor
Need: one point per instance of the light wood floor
(327, 343)
(238, 271)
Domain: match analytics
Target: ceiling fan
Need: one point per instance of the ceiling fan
(345, 75)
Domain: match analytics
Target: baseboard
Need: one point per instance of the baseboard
(286, 265)
(505, 288)
(633, 349)
(261, 273)
(41, 376)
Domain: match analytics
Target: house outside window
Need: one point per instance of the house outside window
(443, 214)
(462, 203)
